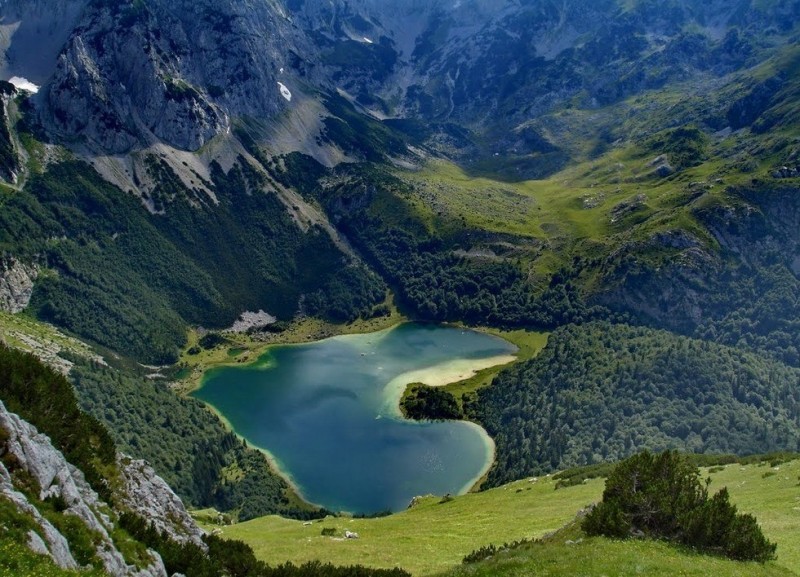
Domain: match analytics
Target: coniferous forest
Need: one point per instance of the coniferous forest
(599, 392)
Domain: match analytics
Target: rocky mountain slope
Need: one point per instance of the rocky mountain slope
(43, 486)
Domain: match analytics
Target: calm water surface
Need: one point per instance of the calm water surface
(327, 412)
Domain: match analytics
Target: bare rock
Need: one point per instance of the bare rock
(149, 496)
(37, 544)
(628, 206)
(16, 285)
(34, 453)
(664, 170)
(174, 72)
(55, 544)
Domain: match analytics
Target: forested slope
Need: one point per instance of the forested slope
(133, 281)
(599, 392)
(207, 465)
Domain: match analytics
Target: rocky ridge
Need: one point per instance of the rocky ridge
(149, 496)
(25, 449)
(119, 77)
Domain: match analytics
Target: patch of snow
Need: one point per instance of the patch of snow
(285, 92)
(24, 84)
(367, 40)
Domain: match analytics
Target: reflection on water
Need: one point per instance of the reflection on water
(327, 412)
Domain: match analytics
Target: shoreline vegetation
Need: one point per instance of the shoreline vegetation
(245, 349)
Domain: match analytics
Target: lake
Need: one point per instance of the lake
(327, 413)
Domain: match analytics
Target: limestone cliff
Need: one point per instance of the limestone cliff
(16, 284)
(132, 73)
(149, 496)
(23, 450)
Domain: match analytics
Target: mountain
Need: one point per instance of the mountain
(66, 510)
(598, 168)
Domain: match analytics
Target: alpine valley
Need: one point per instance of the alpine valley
(613, 186)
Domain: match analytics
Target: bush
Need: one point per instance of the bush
(430, 403)
(661, 497)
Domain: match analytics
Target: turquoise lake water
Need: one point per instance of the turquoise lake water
(327, 413)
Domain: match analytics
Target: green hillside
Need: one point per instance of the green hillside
(616, 183)
(133, 280)
(596, 557)
(434, 535)
(599, 392)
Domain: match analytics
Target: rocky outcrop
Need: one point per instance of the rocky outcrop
(682, 287)
(9, 159)
(133, 74)
(674, 290)
(149, 496)
(56, 478)
(16, 285)
(48, 540)
(786, 172)
(120, 86)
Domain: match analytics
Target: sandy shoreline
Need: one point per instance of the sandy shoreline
(439, 375)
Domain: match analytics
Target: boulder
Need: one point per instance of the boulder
(16, 285)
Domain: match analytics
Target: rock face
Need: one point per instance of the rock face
(129, 74)
(16, 285)
(33, 453)
(462, 60)
(48, 541)
(149, 496)
(135, 73)
(757, 236)
(9, 158)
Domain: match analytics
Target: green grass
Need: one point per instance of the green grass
(573, 209)
(17, 560)
(529, 343)
(42, 339)
(605, 557)
(15, 557)
(428, 537)
(774, 500)
(433, 537)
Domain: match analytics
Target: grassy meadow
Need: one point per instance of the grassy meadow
(429, 537)
(434, 535)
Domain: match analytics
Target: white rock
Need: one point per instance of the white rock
(55, 543)
(16, 285)
(57, 478)
(149, 496)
